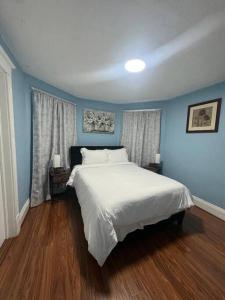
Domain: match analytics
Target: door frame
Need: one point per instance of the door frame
(8, 152)
(2, 213)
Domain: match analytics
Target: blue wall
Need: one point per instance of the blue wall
(197, 160)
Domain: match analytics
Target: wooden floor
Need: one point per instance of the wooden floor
(49, 259)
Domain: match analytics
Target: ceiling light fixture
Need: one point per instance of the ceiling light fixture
(135, 65)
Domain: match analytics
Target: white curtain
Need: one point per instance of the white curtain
(54, 131)
(141, 135)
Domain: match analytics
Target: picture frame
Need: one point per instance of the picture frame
(97, 121)
(204, 117)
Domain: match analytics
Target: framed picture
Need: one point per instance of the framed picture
(204, 117)
(95, 121)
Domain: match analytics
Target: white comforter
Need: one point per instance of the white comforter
(116, 199)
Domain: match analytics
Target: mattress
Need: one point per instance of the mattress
(118, 198)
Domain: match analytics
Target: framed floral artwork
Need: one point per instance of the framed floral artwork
(203, 117)
(95, 121)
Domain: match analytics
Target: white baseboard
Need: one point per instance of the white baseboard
(22, 214)
(210, 208)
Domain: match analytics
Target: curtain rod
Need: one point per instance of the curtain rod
(61, 99)
(133, 110)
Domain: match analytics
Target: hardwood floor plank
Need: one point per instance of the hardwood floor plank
(50, 260)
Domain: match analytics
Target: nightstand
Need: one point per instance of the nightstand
(58, 179)
(156, 168)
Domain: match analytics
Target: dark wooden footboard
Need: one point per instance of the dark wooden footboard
(178, 217)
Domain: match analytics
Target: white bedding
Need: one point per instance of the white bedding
(118, 198)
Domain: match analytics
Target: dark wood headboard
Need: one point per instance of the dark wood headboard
(76, 157)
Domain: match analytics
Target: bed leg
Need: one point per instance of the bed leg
(180, 217)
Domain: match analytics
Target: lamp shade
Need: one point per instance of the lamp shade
(56, 161)
(157, 158)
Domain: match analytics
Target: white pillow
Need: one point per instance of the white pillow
(90, 157)
(119, 155)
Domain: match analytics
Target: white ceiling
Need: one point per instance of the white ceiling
(81, 46)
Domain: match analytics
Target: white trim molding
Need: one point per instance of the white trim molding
(22, 214)
(8, 147)
(210, 208)
(5, 61)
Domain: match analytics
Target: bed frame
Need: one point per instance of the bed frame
(76, 159)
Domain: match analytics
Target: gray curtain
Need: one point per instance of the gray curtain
(54, 131)
(141, 135)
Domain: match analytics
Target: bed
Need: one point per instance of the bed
(118, 198)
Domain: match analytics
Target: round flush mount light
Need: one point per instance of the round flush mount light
(135, 65)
